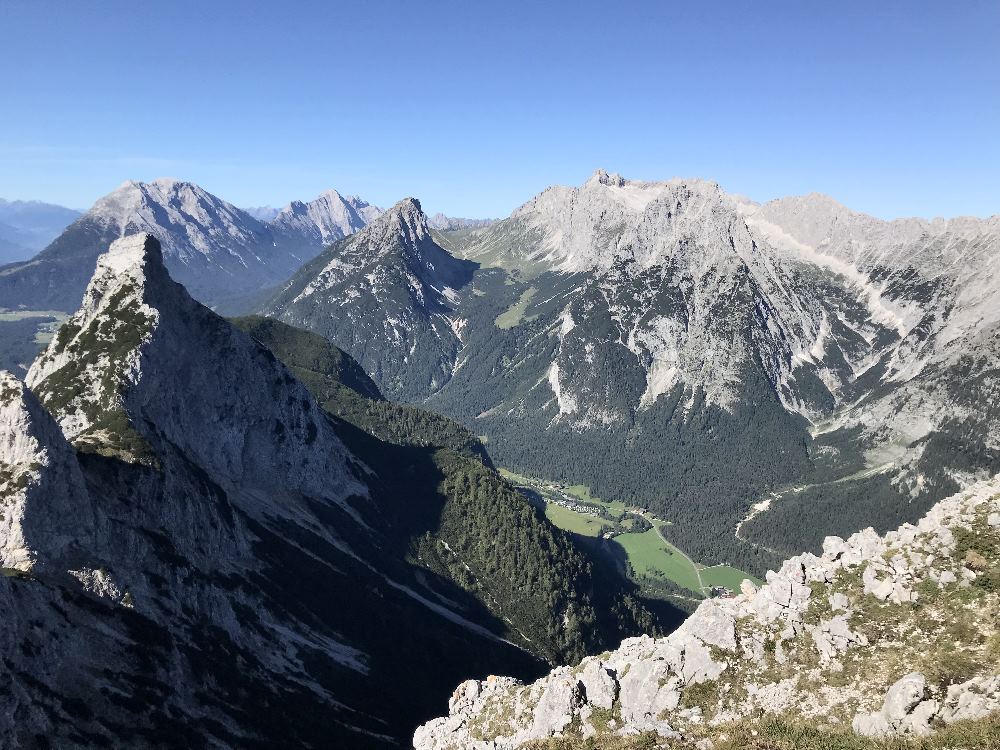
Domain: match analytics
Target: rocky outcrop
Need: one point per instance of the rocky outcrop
(904, 710)
(861, 616)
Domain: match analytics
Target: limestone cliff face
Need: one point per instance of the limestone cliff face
(142, 364)
(45, 511)
(888, 635)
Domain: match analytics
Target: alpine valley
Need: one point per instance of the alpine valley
(289, 527)
(758, 375)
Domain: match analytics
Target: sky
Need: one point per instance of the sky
(891, 107)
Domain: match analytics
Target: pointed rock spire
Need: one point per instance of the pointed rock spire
(143, 370)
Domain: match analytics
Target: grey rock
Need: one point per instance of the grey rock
(904, 695)
(648, 688)
(600, 685)
(558, 705)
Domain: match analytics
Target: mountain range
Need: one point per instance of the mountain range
(28, 226)
(227, 257)
(761, 375)
(224, 256)
(288, 529)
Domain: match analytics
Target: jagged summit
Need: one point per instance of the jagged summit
(328, 218)
(137, 350)
(407, 215)
(600, 176)
(135, 254)
(384, 294)
(578, 229)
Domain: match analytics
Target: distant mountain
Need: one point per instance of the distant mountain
(184, 521)
(222, 254)
(386, 295)
(13, 244)
(263, 213)
(28, 226)
(450, 224)
(328, 218)
(712, 348)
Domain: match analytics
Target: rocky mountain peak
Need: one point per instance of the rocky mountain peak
(44, 509)
(392, 285)
(160, 195)
(327, 218)
(601, 177)
(408, 216)
(142, 366)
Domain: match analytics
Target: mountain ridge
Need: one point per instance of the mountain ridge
(246, 568)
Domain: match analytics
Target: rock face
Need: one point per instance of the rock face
(386, 295)
(46, 511)
(815, 624)
(210, 566)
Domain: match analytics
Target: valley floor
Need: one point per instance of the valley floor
(23, 334)
(631, 533)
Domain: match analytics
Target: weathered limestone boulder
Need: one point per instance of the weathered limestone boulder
(561, 700)
(834, 636)
(904, 711)
(599, 685)
(972, 699)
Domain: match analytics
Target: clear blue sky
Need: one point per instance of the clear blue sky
(892, 107)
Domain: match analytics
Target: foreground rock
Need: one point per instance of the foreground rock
(890, 635)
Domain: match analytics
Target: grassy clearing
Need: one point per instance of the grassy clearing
(513, 315)
(577, 523)
(652, 557)
(723, 575)
(10, 315)
(649, 554)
